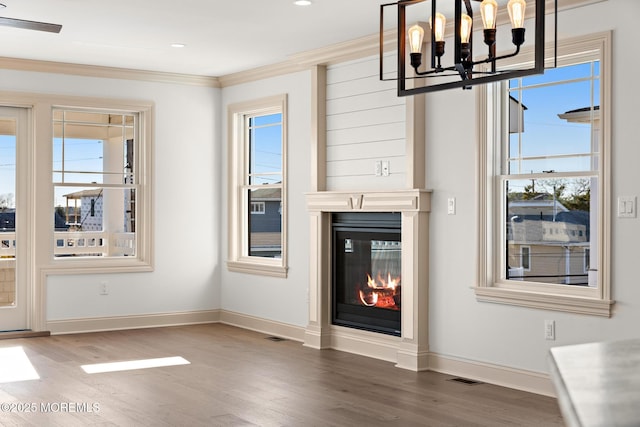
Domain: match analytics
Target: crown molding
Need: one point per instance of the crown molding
(260, 73)
(106, 72)
(353, 49)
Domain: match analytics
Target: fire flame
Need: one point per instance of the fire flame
(381, 292)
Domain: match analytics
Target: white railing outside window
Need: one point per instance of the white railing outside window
(79, 243)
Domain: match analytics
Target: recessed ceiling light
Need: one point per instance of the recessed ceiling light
(178, 45)
(302, 2)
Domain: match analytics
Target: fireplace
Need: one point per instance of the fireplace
(367, 270)
(389, 320)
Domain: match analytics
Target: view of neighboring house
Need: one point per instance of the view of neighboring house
(265, 223)
(84, 210)
(548, 242)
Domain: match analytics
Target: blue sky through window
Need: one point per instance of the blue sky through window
(265, 165)
(8, 168)
(544, 98)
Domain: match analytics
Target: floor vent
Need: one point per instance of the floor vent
(276, 339)
(466, 381)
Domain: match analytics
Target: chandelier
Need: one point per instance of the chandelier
(465, 70)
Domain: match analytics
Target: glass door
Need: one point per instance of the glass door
(13, 288)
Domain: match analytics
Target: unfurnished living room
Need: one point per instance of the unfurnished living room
(319, 213)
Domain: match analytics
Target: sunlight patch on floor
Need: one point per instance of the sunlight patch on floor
(16, 366)
(130, 365)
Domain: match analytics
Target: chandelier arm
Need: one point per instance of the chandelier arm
(496, 58)
(434, 71)
(433, 75)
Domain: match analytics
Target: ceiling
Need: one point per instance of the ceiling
(221, 36)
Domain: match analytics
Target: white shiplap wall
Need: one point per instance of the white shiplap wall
(366, 122)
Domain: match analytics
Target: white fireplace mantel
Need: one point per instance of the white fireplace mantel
(410, 350)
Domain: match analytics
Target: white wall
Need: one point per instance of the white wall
(187, 202)
(513, 336)
(276, 299)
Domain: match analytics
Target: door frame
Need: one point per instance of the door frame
(24, 219)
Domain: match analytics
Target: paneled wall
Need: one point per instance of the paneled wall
(366, 123)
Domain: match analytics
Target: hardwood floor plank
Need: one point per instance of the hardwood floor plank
(238, 378)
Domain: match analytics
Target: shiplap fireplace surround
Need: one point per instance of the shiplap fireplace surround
(410, 349)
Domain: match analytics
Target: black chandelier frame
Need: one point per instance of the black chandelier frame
(464, 62)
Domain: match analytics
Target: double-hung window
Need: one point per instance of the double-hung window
(544, 185)
(257, 187)
(101, 172)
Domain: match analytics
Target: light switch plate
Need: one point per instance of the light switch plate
(627, 207)
(451, 206)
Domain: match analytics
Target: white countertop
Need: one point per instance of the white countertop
(598, 384)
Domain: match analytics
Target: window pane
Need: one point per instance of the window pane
(265, 149)
(554, 127)
(94, 221)
(265, 229)
(553, 219)
(90, 149)
(96, 143)
(8, 288)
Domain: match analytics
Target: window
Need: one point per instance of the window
(544, 198)
(258, 208)
(100, 162)
(257, 149)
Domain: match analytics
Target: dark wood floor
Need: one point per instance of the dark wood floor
(241, 378)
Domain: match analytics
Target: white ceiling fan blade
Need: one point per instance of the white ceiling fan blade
(30, 25)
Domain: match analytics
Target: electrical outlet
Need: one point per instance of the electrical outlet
(550, 330)
(104, 288)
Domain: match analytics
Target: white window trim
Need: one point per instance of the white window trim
(490, 287)
(238, 260)
(143, 260)
(41, 106)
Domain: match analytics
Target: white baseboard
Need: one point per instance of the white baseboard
(519, 379)
(265, 326)
(364, 343)
(98, 324)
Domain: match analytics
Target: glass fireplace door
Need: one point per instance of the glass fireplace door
(367, 272)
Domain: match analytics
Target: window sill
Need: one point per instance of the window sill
(257, 268)
(545, 301)
(73, 265)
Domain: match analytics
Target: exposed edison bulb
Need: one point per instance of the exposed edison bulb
(516, 12)
(489, 11)
(465, 28)
(416, 35)
(438, 28)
